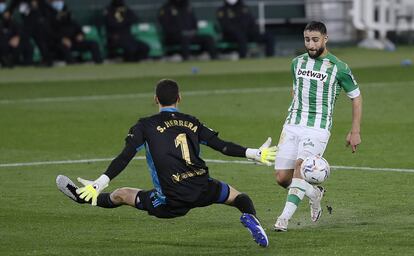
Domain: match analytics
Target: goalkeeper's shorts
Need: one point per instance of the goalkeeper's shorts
(217, 193)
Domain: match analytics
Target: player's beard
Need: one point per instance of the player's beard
(317, 54)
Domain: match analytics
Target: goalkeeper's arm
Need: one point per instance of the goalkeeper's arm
(265, 154)
(91, 189)
(121, 161)
(226, 148)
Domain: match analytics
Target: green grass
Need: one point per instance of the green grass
(373, 211)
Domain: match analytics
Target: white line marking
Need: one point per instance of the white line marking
(219, 161)
(144, 95)
(191, 93)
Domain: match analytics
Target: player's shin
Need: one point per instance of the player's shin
(295, 195)
(311, 191)
(104, 201)
(244, 204)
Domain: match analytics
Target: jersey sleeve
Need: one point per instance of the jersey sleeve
(206, 134)
(347, 81)
(135, 137)
(133, 142)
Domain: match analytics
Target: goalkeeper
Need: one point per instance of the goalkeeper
(181, 178)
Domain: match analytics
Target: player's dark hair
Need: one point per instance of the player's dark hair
(316, 26)
(167, 92)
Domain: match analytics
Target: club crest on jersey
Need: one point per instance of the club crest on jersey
(311, 74)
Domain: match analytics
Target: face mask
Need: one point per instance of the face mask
(2, 7)
(232, 2)
(58, 5)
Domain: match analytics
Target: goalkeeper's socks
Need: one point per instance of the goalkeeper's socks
(295, 195)
(244, 204)
(104, 201)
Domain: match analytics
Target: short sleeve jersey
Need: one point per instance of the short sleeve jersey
(172, 143)
(316, 86)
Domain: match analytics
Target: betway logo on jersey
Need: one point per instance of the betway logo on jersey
(311, 74)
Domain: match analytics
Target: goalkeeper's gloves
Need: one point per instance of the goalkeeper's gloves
(91, 189)
(265, 154)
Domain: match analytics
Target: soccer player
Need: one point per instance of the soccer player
(318, 78)
(181, 178)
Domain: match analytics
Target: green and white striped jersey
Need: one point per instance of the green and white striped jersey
(316, 86)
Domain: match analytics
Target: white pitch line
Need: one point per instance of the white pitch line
(219, 161)
(190, 93)
(144, 95)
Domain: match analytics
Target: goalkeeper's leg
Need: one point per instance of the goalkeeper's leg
(121, 196)
(248, 218)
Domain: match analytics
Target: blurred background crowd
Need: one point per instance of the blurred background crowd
(46, 32)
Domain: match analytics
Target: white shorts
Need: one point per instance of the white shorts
(299, 142)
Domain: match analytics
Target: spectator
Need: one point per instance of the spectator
(69, 35)
(11, 45)
(34, 14)
(118, 21)
(179, 26)
(238, 25)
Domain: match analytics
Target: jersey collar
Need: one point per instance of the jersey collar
(169, 110)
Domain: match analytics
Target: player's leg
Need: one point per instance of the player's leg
(286, 156)
(245, 205)
(284, 169)
(311, 143)
(121, 196)
(295, 195)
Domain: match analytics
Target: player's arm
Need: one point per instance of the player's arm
(91, 189)
(353, 138)
(351, 88)
(265, 154)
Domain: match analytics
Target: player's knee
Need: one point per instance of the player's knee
(283, 178)
(119, 195)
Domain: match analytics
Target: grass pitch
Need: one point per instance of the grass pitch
(84, 112)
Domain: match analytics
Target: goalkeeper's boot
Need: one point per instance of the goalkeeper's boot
(315, 205)
(281, 225)
(253, 225)
(68, 188)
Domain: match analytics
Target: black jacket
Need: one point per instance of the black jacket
(176, 17)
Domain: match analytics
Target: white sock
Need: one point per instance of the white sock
(288, 211)
(295, 195)
(310, 191)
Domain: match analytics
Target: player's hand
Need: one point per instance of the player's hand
(265, 154)
(353, 139)
(87, 193)
(91, 189)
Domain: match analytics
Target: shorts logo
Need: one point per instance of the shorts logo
(310, 74)
(308, 143)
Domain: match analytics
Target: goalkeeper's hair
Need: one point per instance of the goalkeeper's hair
(167, 92)
(316, 26)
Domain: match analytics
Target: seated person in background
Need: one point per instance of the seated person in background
(36, 26)
(118, 21)
(12, 47)
(179, 27)
(238, 26)
(69, 36)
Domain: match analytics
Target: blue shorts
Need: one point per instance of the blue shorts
(217, 193)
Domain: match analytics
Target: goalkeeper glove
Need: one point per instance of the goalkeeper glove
(265, 154)
(91, 189)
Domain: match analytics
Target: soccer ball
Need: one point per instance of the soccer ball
(315, 169)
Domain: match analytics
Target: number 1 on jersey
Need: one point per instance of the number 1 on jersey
(181, 141)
